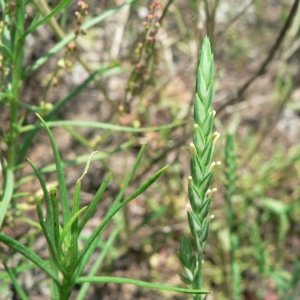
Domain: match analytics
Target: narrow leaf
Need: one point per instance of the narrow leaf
(21, 293)
(43, 184)
(109, 216)
(26, 252)
(68, 227)
(55, 11)
(55, 209)
(60, 175)
(92, 207)
(98, 279)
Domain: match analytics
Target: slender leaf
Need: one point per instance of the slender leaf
(43, 184)
(18, 269)
(74, 226)
(99, 125)
(109, 216)
(68, 227)
(7, 194)
(60, 175)
(49, 238)
(39, 262)
(78, 160)
(55, 11)
(21, 293)
(92, 207)
(55, 219)
(121, 280)
(96, 265)
(128, 178)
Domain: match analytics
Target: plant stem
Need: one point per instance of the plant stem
(15, 75)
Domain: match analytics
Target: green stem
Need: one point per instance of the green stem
(198, 283)
(16, 74)
(16, 71)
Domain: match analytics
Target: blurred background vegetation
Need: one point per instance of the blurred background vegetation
(148, 59)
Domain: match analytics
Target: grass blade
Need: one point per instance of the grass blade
(91, 209)
(128, 178)
(109, 215)
(43, 184)
(108, 245)
(29, 254)
(55, 11)
(8, 192)
(60, 175)
(116, 202)
(21, 293)
(104, 126)
(98, 279)
(68, 227)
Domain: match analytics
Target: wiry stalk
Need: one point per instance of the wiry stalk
(201, 151)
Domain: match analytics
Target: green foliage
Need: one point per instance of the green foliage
(109, 78)
(65, 257)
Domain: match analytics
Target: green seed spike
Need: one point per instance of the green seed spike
(204, 209)
(184, 279)
(206, 62)
(201, 151)
(194, 195)
(204, 232)
(186, 255)
(202, 91)
(196, 165)
(206, 155)
(210, 94)
(195, 227)
(208, 124)
(198, 139)
(205, 183)
(205, 75)
(199, 111)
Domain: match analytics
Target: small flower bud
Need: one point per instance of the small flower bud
(193, 149)
(215, 136)
(214, 164)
